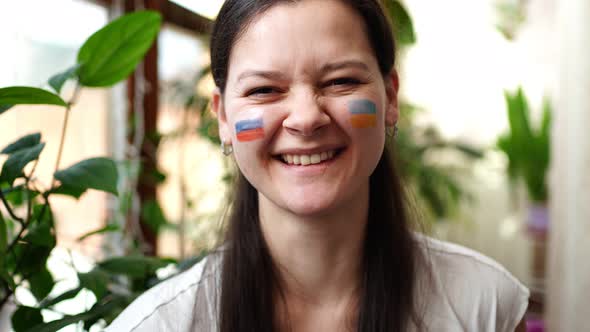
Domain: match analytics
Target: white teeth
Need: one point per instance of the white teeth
(308, 159)
(305, 160)
(315, 159)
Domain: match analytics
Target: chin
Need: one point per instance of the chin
(310, 207)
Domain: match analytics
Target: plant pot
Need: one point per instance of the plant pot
(538, 226)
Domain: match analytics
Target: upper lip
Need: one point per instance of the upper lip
(308, 151)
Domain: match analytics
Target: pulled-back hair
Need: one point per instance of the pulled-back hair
(250, 283)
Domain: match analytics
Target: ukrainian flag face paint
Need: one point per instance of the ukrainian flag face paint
(363, 113)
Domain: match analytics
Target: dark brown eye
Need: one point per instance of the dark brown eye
(346, 81)
(261, 91)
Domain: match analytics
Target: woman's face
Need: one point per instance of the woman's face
(305, 107)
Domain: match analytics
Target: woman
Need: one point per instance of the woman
(319, 239)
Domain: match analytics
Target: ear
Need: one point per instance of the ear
(219, 111)
(392, 106)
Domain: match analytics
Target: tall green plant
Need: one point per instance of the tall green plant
(527, 148)
(27, 230)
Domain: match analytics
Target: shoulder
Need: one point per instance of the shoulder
(169, 306)
(474, 289)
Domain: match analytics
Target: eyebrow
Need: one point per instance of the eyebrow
(344, 64)
(271, 75)
(274, 75)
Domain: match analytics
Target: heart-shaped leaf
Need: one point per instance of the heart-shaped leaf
(13, 166)
(113, 52)
(96, 173)
(24, 95)
(23, 142)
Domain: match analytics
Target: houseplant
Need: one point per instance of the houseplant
(528, 152)
(27, 225)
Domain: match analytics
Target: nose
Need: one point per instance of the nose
(307, 115)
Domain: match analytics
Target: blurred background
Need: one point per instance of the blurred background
(493, 144)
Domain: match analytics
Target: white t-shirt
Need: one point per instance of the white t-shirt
(467, 292)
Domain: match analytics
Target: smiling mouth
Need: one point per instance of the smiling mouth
(308, 159)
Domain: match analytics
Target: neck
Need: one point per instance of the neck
(318, 258)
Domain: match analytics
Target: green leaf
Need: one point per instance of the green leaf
(105, 229)
(95, 173)
(27, 141)
(21, 95)
(14, 165)
(41, 284)
(41, 235)
(60, 298)
(33, 259)
(98, 310)
(113, 52)
(133, 266)
(42, 214)
(153, 216)
(68, 191)
(403, 28)
(96, 281)
(4, 108)
(57, 81)
(25, 318)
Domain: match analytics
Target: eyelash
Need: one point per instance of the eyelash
(339, 82)
(343, 81)
(258, 91)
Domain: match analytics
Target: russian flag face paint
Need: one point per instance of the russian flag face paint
(363, 113)
(249, 130)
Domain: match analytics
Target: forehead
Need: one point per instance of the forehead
(302, 33)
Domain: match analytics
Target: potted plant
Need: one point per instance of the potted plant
(528, 153)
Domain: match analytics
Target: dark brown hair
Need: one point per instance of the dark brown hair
(390, 255)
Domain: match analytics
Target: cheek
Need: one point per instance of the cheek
(362, 113)
(251, 131)
(362, 117)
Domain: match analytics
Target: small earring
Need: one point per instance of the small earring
(391, 132)
(226, 149)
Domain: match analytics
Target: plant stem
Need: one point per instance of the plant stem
(10, 212)
(63, 130)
